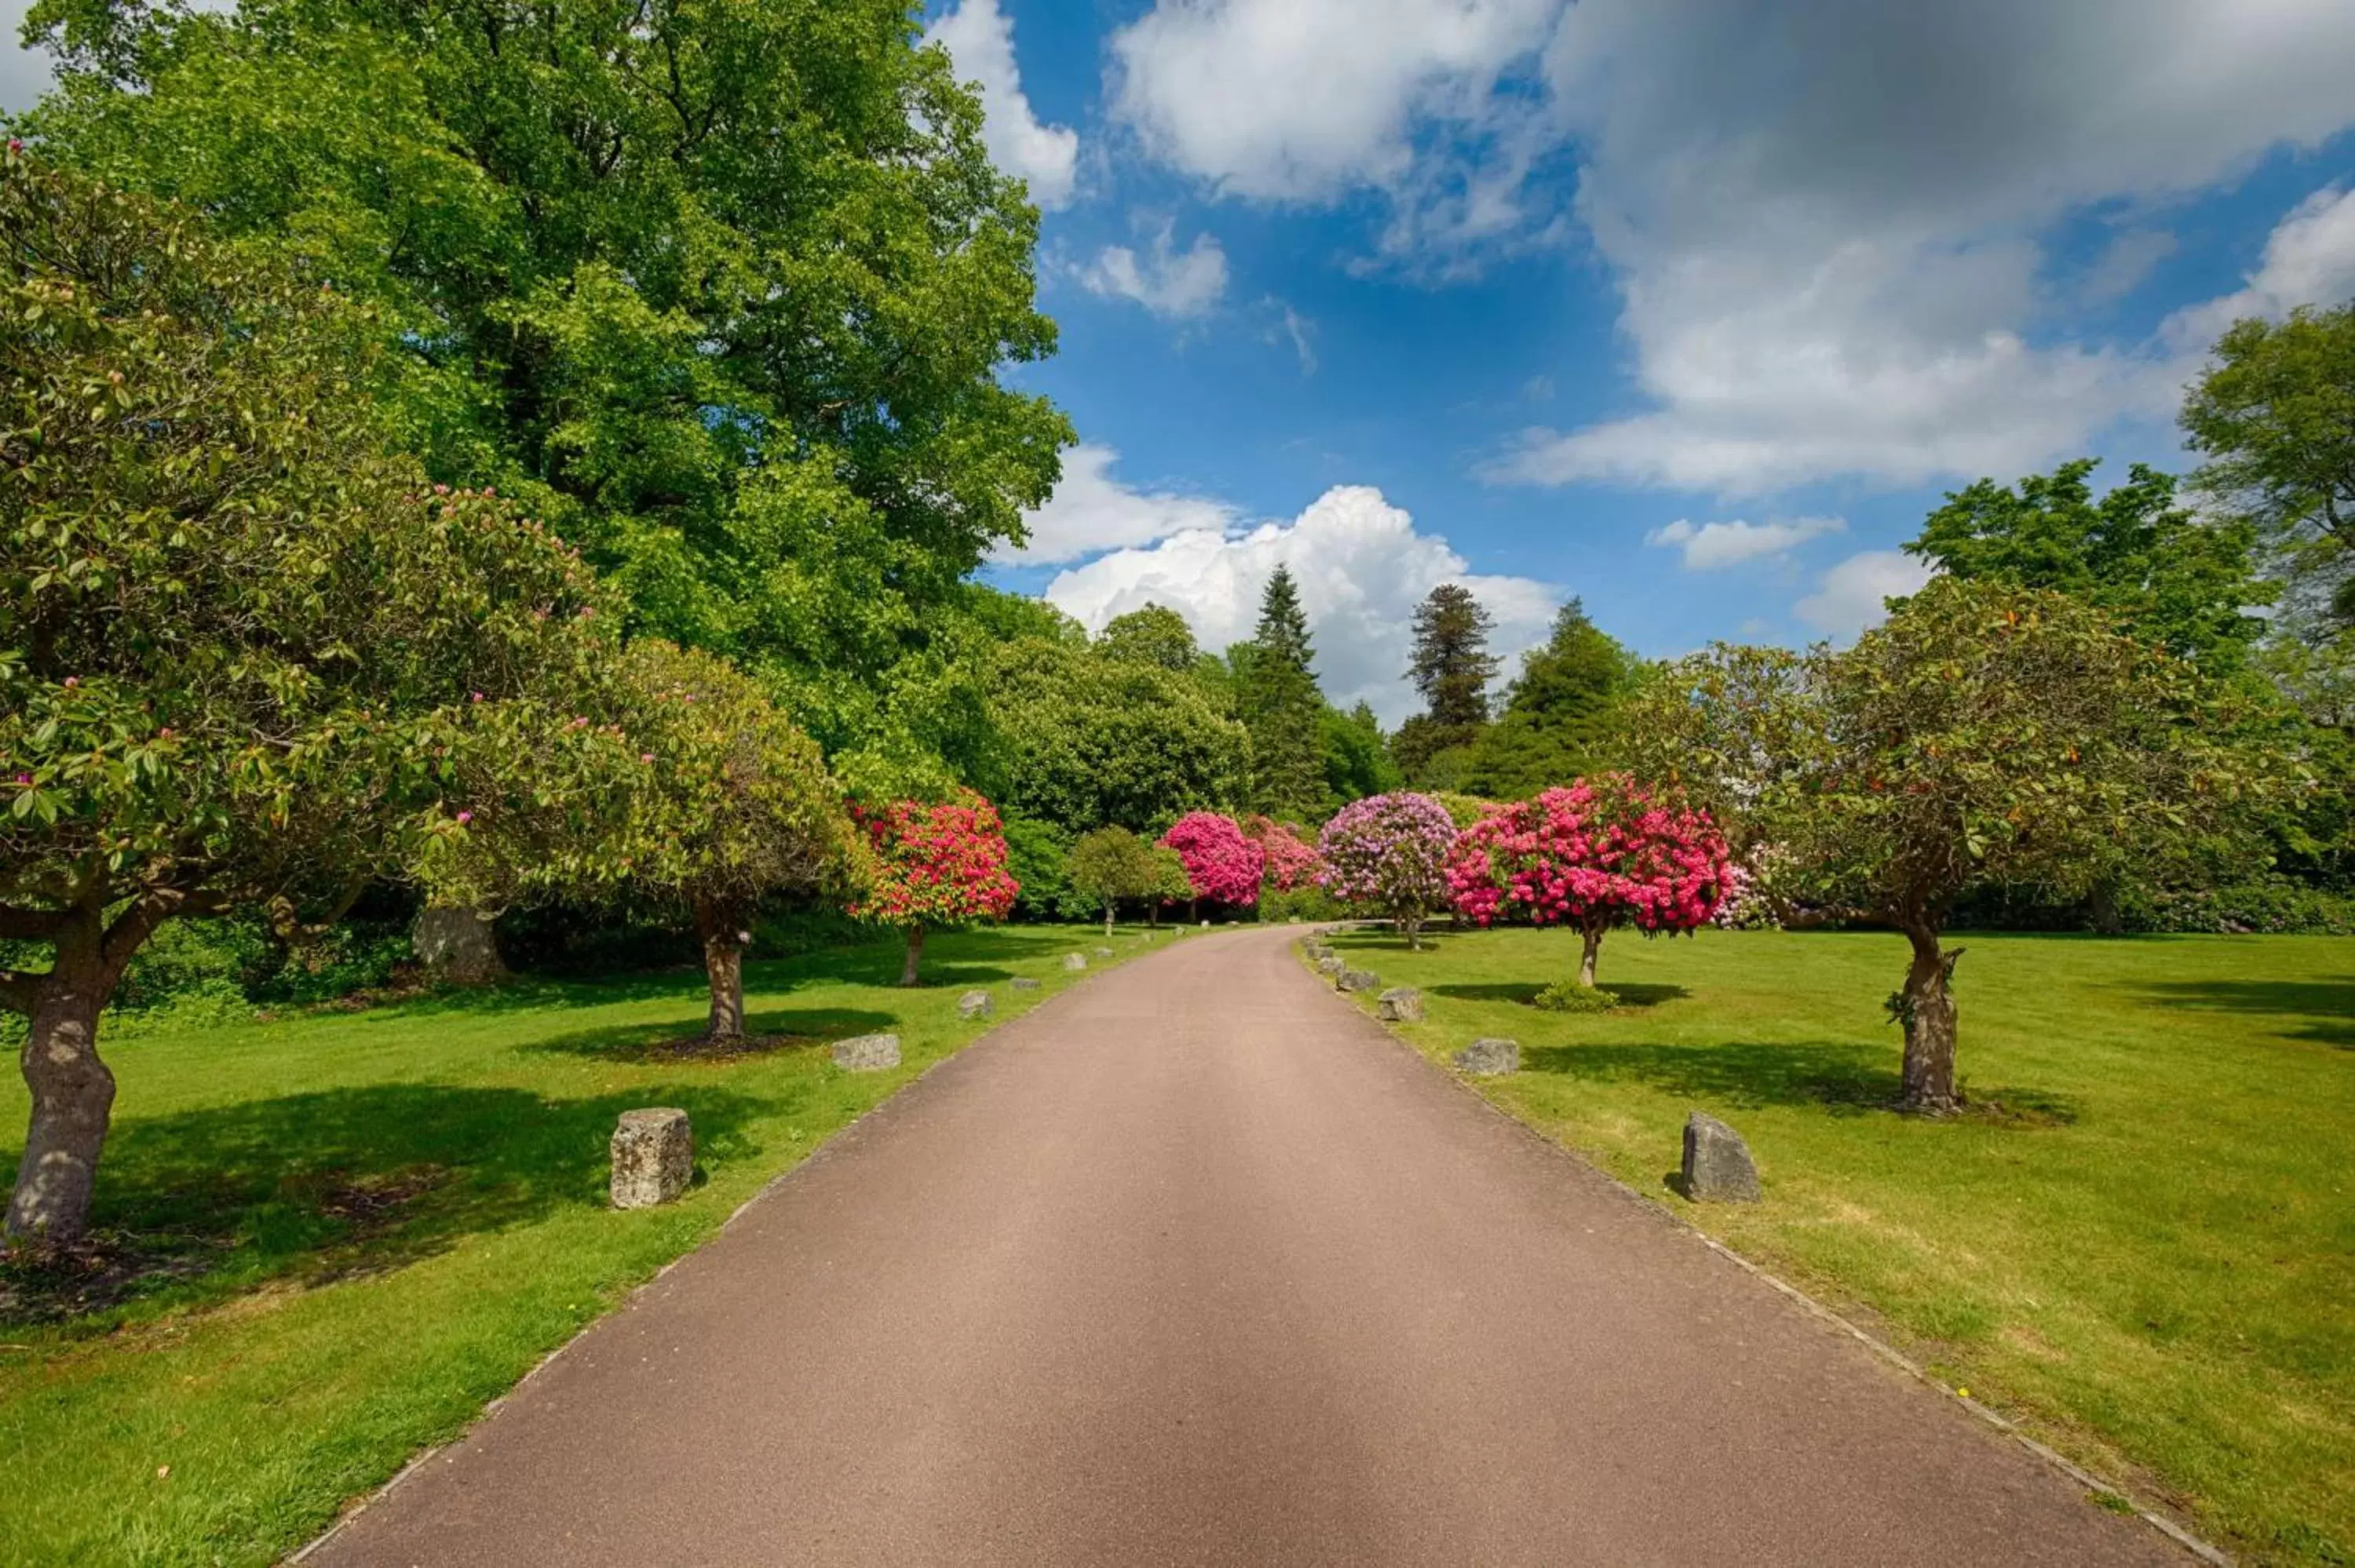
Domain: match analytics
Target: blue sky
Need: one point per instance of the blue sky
(1691, 310)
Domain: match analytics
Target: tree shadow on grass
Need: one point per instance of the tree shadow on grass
(1525, 992)
(1840, 1079)
(2327, 1007)
(777, 1028)
(312, 1188)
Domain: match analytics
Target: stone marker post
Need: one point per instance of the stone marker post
(654, 1157)
(1717, 1167)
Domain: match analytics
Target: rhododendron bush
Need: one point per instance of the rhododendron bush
(1289, 860)
(1390, 852)
(1219, 862)
(940, 863)
(1597, 853)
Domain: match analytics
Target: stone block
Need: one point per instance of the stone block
(1103, 952)
(866, 1053)
(976, 1004)
(1717, 1167)
(1490, 1056)
(1359, 979)
(1399, 1004)
(1330, 965)
(654, 1157)
(1026, 983)
(1075, 962)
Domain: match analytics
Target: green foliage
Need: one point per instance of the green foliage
(724, 291)
(1569, 996)
(1358, 761)
(1154, 635)
(1277, 697)
(1560, 719)
(2169, 577)
(1308, 902)
(1451, 668)
(1090, 740)
(1111, 864)
(2275, 417)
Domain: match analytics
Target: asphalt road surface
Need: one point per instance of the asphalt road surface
(1195, 1265)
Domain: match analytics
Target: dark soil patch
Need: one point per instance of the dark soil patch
(42, 1283)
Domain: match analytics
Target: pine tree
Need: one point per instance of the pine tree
(1452, 669)
(1282, 707)
(1559, 716)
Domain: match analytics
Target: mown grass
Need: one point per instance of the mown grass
(364, 1226)
(2142, 1239)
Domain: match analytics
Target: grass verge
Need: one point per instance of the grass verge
(346, 1232)
(2140, 1241)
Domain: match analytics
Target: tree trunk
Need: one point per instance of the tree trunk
(915, 955)
(2103, 907)
(723, 963)
(73, 1095)
(1413, 926)
(1153, 915)
(1590, 950)
(1107, 919)
(1928, 1013)
(456, 946)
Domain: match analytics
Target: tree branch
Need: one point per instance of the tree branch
(30, 925)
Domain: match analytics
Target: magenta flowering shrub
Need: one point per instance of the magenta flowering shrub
(1597, 853)
(1219, 862)
(1390, 852)
(1288, 860)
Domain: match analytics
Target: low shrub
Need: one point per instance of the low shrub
(1569, 996)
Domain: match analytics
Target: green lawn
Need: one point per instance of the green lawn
(388, 1217)
(2142, 1242)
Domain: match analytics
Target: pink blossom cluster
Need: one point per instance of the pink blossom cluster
(1290, 860)
(936, 864)
(1219, 861)
(1388, 851)
(1589, 857)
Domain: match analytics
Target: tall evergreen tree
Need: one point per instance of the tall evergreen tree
(1282, 707)
(1452, 668)
(1559, 717)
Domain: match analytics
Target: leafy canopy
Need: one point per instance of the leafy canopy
(1561, 719)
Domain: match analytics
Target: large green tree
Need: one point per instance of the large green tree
(2274, 416)
(1561, 720)
(1451, 668)
(724, 288)
(248, 660)
(1281, 704)
(1358, 761)
(1984, 735)
(1093, 740)
(2184, 582)
(1154, 635)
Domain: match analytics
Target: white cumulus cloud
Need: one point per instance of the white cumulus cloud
(1712, 547)
(1849, 599)
(1363, 567)
(2309, 259)
(979, 38)
(1165, 280)
(1092, 510)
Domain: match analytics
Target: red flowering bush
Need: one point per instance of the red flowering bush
(935, 864)
(1592, 856)
(1219, 862)
(1288, 860)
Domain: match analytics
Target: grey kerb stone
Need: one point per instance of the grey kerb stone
(1330, 964)
(654, 1157)
(1717, 1167)
(1026, 983)
(866, 1053)
(1075, 962)
(1360, 979)
(1399, 1004)
(975, 1004)
(1490, 1056)
(1103, 952)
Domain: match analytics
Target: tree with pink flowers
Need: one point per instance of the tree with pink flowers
(1289, 862)
(936, 863)
(1221, 862)
(1390, 852)
(1601, 853)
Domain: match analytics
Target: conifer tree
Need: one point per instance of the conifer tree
(1452, 668)
(1282, 707)
(1559, 717)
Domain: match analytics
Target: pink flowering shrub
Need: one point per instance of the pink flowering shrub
(1595, 854)
(1289, 860)
(1219, 862)
(935, 864)
(1390, 852)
